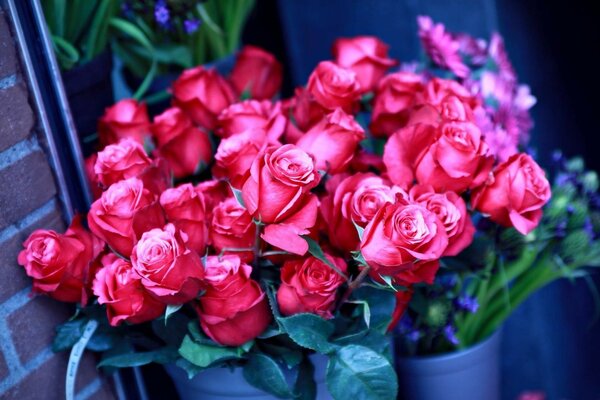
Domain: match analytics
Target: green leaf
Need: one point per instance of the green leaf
(68, 334)
(238, 196)
(317, 252)
(375, 340)
(204, 355)
(357, 372)
(305, 386)
(191, 369)
(208, 20)
(381, 305)
(366, 310)
(161, 356)
(170, 310)
(174, 330)
(388, 281)
(265, 374)
(359, 229)
(309, 331)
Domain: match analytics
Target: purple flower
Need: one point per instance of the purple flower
(450, 334)
(588, 227)
(467, 303)
(441, 47)
(161, 13)
(191, 25)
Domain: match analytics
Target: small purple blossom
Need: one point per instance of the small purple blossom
(467, 303)
(588, 227)
(561, 229)
(413, 336)
(450, 334)
(191, 25)
(161, 13)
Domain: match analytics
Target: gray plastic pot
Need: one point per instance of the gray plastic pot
(470, 374)
(229, 384)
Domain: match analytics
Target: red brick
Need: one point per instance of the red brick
(16, 116)
(8, 60)
(26, 185)
(104, 393)
(3, 367)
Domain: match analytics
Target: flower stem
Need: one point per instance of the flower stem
(354, 284)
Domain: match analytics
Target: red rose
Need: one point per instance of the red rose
(333, 141)
(278, 194)
(232, 228)
(402, 237)
(396, 94)
(92, 178)
(452, 212)
(515, 195)
(438, 89)
(306, 112)
(333, 86)
(202, 94)
(121, 291)
(125, 119)
(123, 160)
(240, 117)
(185, 208)
(214, 192)
(310, 285)
(184, 146)
(169, 269)
(403, 298)
(233, 309)
(367, 56)
(60, 265)
(258, 72)
(353, 200)
(123, 213)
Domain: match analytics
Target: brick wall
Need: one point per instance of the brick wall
(28, 201)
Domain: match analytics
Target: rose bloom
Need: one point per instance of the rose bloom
(126, 159)
(396, 94)
(353, 200)
(333, 86)
(278, 194)
(306, 112)
(438, 89)
(119, 288)
(125, 119)
(257, 72)
(310, 286)
(60, 265)
(202, 94)
(367, 56)
(333, 141)
(452, 212)
(515, 195)
(402, 237)
(232, 228)
(214, 192)
(233, 309)
(186, 209)
(249, 114)
(123, 212)
(184, 146)
(169, 269)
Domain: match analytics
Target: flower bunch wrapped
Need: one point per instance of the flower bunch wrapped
(236, 229)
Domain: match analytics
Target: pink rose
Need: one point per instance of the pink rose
(126, 159)
(186, 209)
(258, 72)
(249, 114)
(202, 94)
(123, 212)
(125, 119)
(214, 192)
(515, 195)
(333, 141)
(310, 286)
(439, 89)
(306, 112)
(367, 56)
(168, 268)
(278, 194)
(233, 309)
(333, 86)
(120, 289)
(232, 228)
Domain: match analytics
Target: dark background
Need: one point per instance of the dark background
(551, 343)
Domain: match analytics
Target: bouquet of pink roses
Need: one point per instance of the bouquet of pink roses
(238, 230)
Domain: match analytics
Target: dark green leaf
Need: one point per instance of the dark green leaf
(309, 331)
(317, 252)
(265, 374)
(375, 340)
(162, 356)
(381, 305)
(204, 355)
(357, 372)
(305, 387)
(68, 334)
(238, 196)
(191, 369)
(174, 330)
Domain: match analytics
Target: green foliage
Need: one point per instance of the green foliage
(264, 373)
(123, 360)
(309, 331)
(205, 355)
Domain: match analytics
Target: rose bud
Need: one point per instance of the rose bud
(396, 95)
(184, 146)
(214, 192)
(185, 208)
(367, 56)
(123, 212)
(125, 119)
(401, 237)
(459, 159)
(306, 112)
(249, 114)
(333, 141)
(256, 72)
(403, 298)
(232, 228)
(452, 212)
(202, 94)
(120, 289)
(365, 161)
(278, 194)
(439, 89)
(233, 309)
(310, 286)
(353, 200)
(60, 265)
(333, 87)
(515, 195)
(123, 160)
(169, 269)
